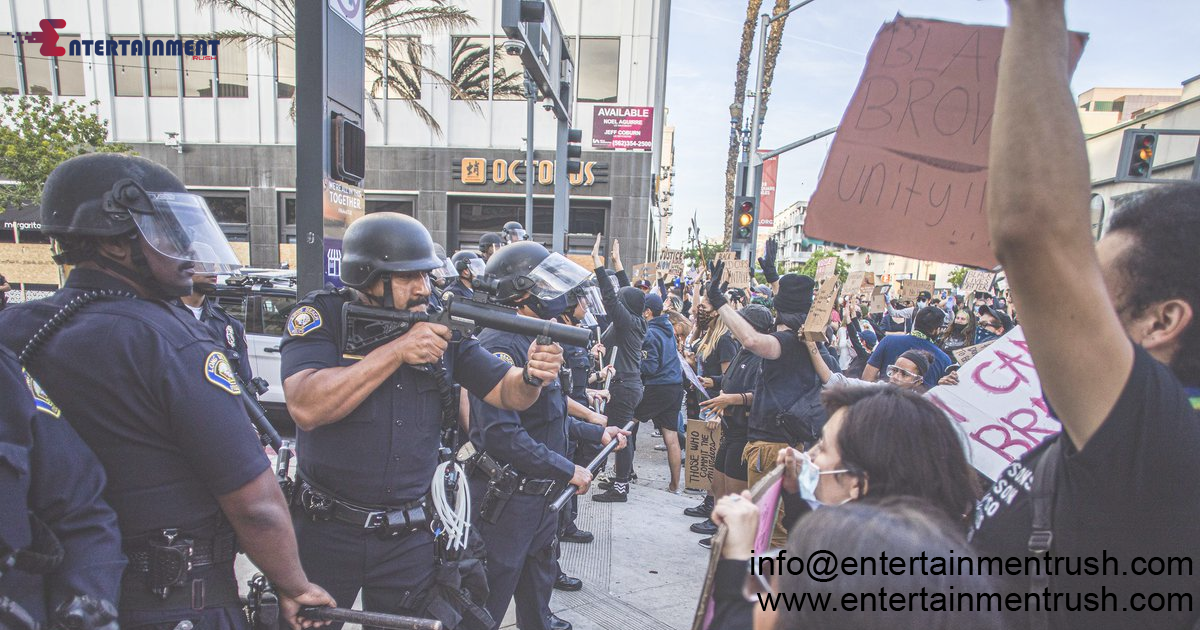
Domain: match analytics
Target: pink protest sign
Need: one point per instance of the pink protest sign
(998, 404)
(617, 127)
(907, 173)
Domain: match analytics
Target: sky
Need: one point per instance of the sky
(822, 57)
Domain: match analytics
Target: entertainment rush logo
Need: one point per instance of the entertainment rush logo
(197, 49)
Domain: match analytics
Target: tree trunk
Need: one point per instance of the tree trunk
(735, 109)
(774, 41)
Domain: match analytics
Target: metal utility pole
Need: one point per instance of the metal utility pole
(331, 149)
(752, 178)
(531, 96)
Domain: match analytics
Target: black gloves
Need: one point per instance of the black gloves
(716, 297)
(767, 262)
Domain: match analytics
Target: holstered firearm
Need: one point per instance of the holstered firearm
(365, 328)
(502, 483)
(262, 604)
(283, 466)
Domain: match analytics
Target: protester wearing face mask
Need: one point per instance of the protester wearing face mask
(960, 333)
(876, 444)
(897, 526)
(993, 323)
(908, 372)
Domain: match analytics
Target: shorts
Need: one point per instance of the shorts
(660, 405)
(729, 460)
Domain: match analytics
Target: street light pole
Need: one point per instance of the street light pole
(752, 179)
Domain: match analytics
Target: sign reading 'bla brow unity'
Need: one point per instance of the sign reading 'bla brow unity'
(907, 173)
(617, 127)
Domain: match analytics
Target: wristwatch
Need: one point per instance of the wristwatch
(529, 379)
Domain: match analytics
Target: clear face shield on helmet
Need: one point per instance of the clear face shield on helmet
(516, 235)
(476, 266)
(444, 272)
(555, 276)
(181, 227)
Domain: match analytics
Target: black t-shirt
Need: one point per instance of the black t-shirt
(1132, 492)
(783, 382)
(741, 378)
(723, 352)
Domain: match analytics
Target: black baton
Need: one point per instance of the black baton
(592, 466)
(362, 617)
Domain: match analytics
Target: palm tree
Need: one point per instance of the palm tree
(402, 73)
(735, 109)
(470, 62)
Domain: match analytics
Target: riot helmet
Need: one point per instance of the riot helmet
(111, 194)
(468, 261)
(445, 270)
(385, 243)
(514, 232)
(527, 270)
(489, 243)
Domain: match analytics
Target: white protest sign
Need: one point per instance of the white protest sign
(998, 404)
(977, 281)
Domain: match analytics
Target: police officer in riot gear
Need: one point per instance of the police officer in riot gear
(369, 426)
(226, 330)
(488, 244)
(514, 232)
(152, 395)
(60, 551)
(521, 463)
(467, 265)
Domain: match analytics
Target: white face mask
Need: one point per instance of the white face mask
(809, 477)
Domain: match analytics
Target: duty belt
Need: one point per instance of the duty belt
(521, 484)
(386, 521)
(169, 556)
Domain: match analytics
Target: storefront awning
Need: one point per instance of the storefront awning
(21, 218)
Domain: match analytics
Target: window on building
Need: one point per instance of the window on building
(403, 59)
(403, 205)
(232, 213)
(128, 71)
(164, 71)
(233, 80)
(586, 220)
(508, 82)
(287, 217)
(479, 215)
(39, 71)
(10, 82)
(597, 68)
(285, 67)
(70, 70)
(470, 67)
(198, 74)
(375, 74)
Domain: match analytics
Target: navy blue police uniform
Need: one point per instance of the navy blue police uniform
(227, 331)
(457, 287)
(578, 364)
(521, 537)
(372, 467)
(48, 470)
(157, 402)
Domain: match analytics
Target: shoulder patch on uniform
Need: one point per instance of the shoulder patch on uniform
(505, 357)
(230, 337)
(40, 399)
(219, 372)
(304, 320)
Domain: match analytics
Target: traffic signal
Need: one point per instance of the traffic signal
(1141, 157)
(574, 151)
(744, 216)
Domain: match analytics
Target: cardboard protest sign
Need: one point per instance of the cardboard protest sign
(822, 308)
(998, 404)
(907, 172)
(671, 261)
(858, 283)
(702, 443)
(977, 280)
(910, 289)
(878, 299)
(962, 355)
(826, 267)
(737, 272)
(645, 271)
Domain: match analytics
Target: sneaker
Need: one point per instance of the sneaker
(706, 527)
(660, 447)
(705, 542)
(657, 433)
(633, 476)
(605, 484)
(703, 510)
(618, 493)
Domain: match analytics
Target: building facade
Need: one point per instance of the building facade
(224, 122)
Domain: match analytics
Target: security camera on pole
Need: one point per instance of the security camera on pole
(537, 38)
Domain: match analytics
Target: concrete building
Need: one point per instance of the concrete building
(223, 124)
(1174, 156)
(788, 233)
(1103, 108)
(665, 189)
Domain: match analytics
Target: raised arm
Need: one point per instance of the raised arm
(1037, 208)
(761, 345)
